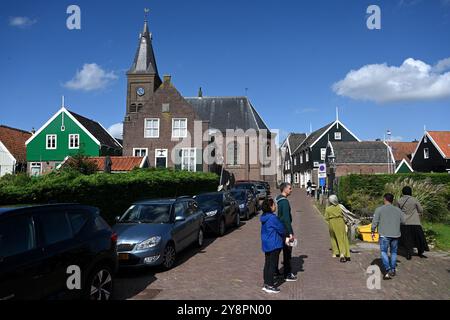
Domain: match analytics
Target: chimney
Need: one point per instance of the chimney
(167, 79)
(200, 93)
(33, 131)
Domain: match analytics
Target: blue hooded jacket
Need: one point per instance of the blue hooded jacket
(272, 232)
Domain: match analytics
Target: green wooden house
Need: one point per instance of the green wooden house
(67, 134)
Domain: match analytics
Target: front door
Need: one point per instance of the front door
(161, 158)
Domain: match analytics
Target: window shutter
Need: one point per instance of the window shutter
(199, 156)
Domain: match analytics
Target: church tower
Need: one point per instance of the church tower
(143, 77)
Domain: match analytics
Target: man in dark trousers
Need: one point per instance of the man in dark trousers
(284, 214)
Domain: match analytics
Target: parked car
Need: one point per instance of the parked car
(153, 232)
(42, 246)
(262, 192)
(246, 202)
(265, 183)
(251, 187)
(221, 211)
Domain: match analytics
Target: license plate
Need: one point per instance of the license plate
(124, 256)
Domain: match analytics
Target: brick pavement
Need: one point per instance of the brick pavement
(230, 268)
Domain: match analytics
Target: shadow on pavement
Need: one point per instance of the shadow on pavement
(297, 264)
(133, 281)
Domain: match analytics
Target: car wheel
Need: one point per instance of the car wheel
(238, 220)
(169, 257)
(222, 228)
(100, 284)
(200, 238)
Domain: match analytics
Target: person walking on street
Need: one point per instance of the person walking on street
(272, 238)
(412, 232)
(388, 219)
(284, 213)
(338, 234)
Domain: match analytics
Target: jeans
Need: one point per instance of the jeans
(271, 266)
(385, 244)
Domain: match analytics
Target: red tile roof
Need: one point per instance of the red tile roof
(118, 163)
(442, 139)
(14, 140)
(403, 150)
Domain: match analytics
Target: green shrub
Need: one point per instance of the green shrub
(363, 193)
(112, 193)
(430, 196)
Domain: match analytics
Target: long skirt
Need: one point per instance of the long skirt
(413, 237)
(339, 239)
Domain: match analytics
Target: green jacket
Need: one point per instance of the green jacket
(284, 213)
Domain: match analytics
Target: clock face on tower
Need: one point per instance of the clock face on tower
(140, 91)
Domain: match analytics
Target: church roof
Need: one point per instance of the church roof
(228, 113)
(144, 60)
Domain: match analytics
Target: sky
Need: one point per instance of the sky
(297, 60)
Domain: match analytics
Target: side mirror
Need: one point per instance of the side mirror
(117, 219)
(179, 218)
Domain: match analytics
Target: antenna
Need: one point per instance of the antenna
(62, 102)
(146, 12)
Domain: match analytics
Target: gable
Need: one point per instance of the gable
(13, 141)
(431, 144)
(404, 167)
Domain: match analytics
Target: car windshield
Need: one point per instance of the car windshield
(243, 186)
(208, 201)
(147, 213)
(239, 195)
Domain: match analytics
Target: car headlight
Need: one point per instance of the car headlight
(242, 206)
(211, 213)
(149, 243)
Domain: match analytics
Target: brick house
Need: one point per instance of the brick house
(13, 150)
(181, 133)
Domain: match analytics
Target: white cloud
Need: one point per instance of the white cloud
(414, 80)
(21, 22)
(91, 77)
(116, 130)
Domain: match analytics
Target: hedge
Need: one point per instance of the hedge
(112, 193)
(374, 184)
(364, 192)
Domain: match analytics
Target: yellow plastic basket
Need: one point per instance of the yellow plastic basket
(366, 233)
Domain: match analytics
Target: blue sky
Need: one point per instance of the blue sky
(293, 56)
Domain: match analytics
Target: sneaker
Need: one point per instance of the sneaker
(421, 255)
(290, 277)
(270, 289)
(387, 276)
(392, 273)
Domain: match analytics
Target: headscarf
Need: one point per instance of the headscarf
(333, 200)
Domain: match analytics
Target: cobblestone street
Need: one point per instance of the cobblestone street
(230, 268)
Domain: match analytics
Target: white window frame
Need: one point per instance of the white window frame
(78, 137)
(35, 165)
(167, 156)
(338, 136)
(194, 158)
(152, 128)
(295, 161)
(46, 142)
(179, 128)
(140, 150)
(425, 139)
(323, 153)
(307, 156)
(426, 153)
(301, 157)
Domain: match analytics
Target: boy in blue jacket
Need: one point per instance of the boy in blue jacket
(272, 237)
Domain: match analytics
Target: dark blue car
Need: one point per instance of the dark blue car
(153, 232)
